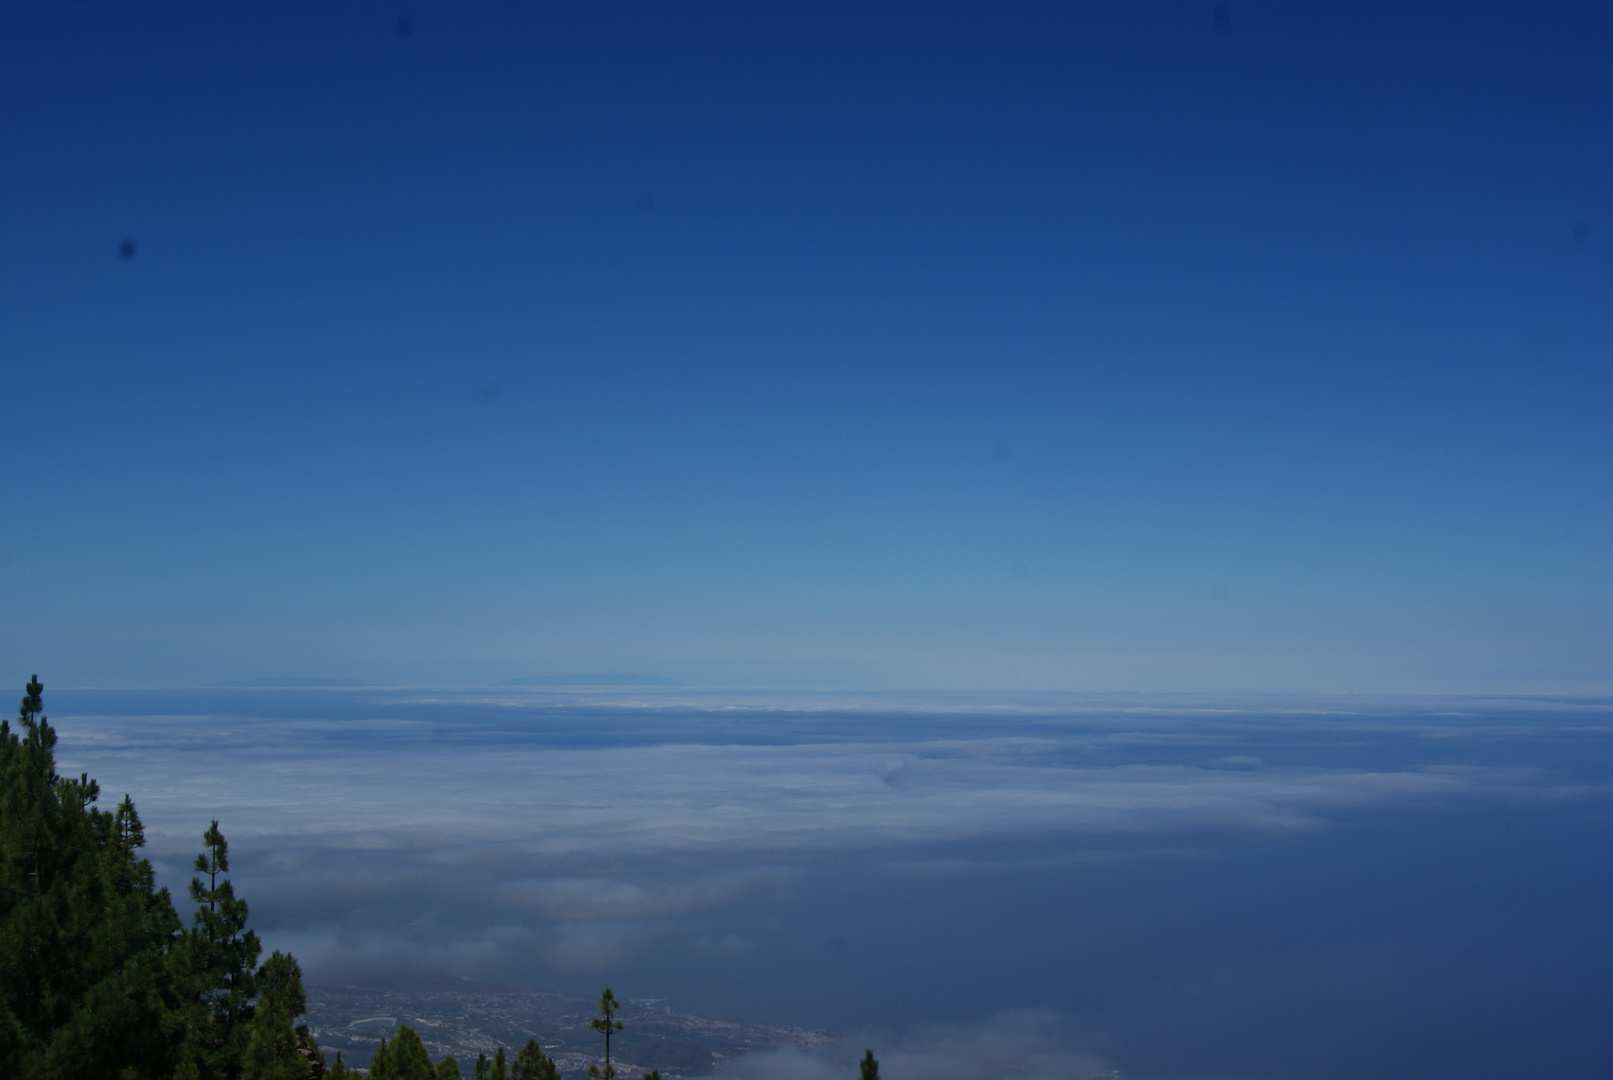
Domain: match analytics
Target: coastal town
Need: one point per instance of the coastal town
(477, 1018)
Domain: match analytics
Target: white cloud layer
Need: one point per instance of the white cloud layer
(454, 832)
(388, 784)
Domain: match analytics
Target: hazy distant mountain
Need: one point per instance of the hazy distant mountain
(599, 678)
(294, 682)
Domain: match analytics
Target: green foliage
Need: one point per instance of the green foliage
(338, 1070)
(492, 1068)
(531, 1063)
(448, 1069)
(381, 1061)
(404, 1058)
(220, 953)
(870, 1067)
(83, 929)
(236, 1018)
(273, 1048)
(606, 1022)
(97, 976)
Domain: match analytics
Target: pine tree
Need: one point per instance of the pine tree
(405, 1058)
(97, 978)
(492, 1068)
(607, 1023)
(218, 954)
(448, 1069)
(870, 1067)
(531, 1063)
(381, 1062)
(274, 1051)
(83, 929)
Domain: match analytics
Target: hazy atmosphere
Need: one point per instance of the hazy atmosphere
(1048, 540)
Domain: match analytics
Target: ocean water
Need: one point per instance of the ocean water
(977, 884)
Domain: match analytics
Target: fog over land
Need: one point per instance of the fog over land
(1171, 885)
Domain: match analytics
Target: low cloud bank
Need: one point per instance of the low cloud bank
(1015, 1045)
(539, 838)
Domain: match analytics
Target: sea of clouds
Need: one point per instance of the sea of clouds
(869, 862)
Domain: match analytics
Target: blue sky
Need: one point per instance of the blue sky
(1001, 346)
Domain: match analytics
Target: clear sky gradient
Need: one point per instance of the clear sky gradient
(940, 346)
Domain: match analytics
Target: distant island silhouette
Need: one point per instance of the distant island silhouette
(599, 678)
(294, 682)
